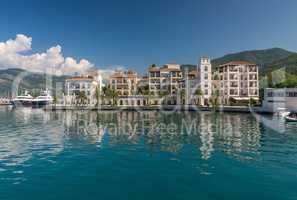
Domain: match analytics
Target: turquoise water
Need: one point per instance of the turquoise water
(130, 155)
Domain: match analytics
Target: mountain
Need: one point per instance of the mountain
(268, 60)
(264, 58)
(289, 64)
(33, 82)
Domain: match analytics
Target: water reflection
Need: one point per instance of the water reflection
(25, 134)
(28, 133)
(234, 134)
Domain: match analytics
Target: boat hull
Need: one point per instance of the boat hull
(290, 119)
(37, 104)
(22, 103)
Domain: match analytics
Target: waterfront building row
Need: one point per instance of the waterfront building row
(171, 84)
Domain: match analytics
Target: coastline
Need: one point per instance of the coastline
(190, 108)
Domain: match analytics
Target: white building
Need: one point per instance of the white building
(205, 79)
(86, 85)
(124, 82)
(277, 99)
(238, 82)
(164, 79)
(189, 85)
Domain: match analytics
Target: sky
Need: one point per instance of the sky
(73, 35)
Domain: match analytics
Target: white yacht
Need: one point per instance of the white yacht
(43, 99)
(22, 100)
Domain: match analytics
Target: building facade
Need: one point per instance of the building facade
(238, 82)
(164, 79)
(205, 80)
(280, 98)
(124, 82)
(86, 86)
(132, 101)
(189, 84)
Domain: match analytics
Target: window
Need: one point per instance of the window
(291, 94)
(206, 92)
(233, 92)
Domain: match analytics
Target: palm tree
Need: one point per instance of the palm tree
(215, 98)
(55, 99)
(153, 65)
(143, 90)
(199, 93)
(182, 94)
(112, 93)
(81, 97)
(164, 96)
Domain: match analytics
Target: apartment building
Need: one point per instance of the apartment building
(124, 82)
(189, 84)
(205, 80)
(164, 79)
(238, 81)
(86, 84)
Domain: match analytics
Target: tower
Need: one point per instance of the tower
(205, 79)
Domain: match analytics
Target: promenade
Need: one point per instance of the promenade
(191, 108)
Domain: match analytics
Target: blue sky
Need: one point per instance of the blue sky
(137, 33)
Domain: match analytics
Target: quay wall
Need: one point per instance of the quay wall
(241, 109)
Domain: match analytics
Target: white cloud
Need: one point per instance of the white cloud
(106, 73)
(15, 53)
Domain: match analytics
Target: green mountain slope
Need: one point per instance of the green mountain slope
(289, 64)
(268, 60)
(34, 82)
(261, 57)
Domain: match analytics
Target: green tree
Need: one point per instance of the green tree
(97, 96)
(81, 97)
(112, 94)
(55, 99)
(182, 95)
(199, 94)
(215, 99)
(143, 90)
(164, 95)
(252, 102)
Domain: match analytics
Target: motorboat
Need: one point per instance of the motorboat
(282, 112)
(292, 117)
(43, 99)
(22, 100)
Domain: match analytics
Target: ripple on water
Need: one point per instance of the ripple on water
(83, 147)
